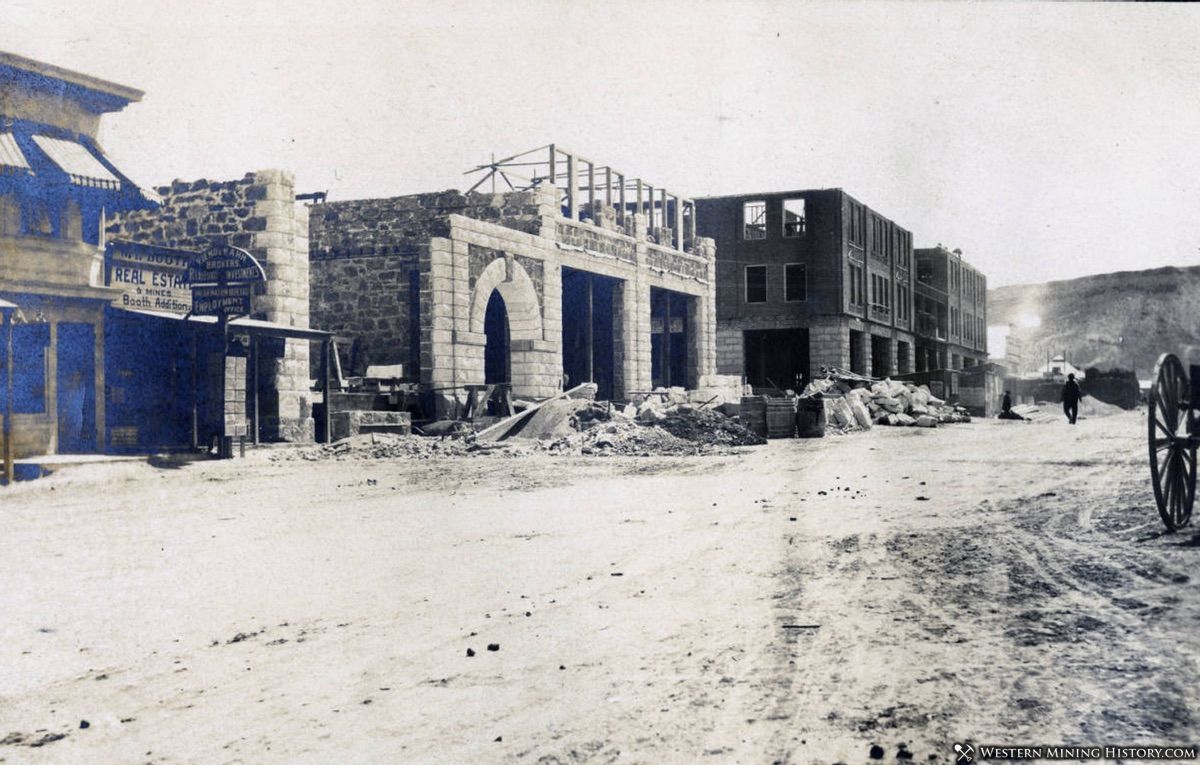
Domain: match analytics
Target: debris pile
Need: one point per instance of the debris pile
(887, 402)
(391, 446)
(655, 426)
(567, 426)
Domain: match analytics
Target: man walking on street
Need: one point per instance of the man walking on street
(1070, 398)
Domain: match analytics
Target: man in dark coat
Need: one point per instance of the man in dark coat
(1070, 398)
(1006, 412)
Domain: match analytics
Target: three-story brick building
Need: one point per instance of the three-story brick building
(951, 311)
(809, 279)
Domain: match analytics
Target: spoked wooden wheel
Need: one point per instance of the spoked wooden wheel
(1172, 449)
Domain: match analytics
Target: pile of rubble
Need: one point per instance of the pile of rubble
(655, 426)
(391, 446)
(887, 402)
(569, 426)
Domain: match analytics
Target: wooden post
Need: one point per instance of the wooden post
(666, 345)
(572, 198)
(195, 394)
(621, 199)
(592, 190)
(8, 395)
(679, 223)
(553, 167)
(608, 186)
(254, 383)
(326, 346)
(588, 334)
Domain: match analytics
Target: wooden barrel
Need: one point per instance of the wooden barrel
(754, 414)
(781, 418)
(810, 418)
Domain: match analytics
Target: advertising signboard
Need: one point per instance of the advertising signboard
(224, 281)
(150, 278)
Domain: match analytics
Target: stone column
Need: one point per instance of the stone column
(637, 302)
(280, 243)
(730, 352)
(437, 324)
(828, 345)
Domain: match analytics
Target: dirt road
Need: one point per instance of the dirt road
(795, 603)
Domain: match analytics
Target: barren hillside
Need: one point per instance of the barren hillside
(1122, 319)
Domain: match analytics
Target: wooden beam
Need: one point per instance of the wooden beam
(501, 429)
(678, 224)
(572, 199)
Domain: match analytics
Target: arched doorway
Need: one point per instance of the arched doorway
(497, 364)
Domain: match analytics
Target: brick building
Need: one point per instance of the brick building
(951, 311)
(579, 275)
(808, 279)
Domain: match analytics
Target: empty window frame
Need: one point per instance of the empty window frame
(754, 220)
(857, 224)
(793, 217)
(795, 282)
(756, 284)
(856, 285)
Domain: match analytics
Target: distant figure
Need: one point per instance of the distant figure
(1006, 412)
(1070, 398)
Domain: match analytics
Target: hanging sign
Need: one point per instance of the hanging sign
(224, 281)
(150, 278)
(226, 265)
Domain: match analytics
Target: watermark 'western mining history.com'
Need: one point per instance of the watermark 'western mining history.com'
(981, 752)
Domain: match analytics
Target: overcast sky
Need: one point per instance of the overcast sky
(1046, 140)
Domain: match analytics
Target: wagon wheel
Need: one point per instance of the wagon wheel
(1171, 423)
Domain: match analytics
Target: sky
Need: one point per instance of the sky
(1047, 141)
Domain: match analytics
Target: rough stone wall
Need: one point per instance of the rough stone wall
(466, 246)
(371, 226)
(368, 297)
(259, 214)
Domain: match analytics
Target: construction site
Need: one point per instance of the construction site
(569, 467)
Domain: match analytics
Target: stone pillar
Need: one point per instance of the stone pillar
(437, 324)
(638, 306)
(280, 243)
(730, 352)
(707, 325)
(828, 345)
(620, 339)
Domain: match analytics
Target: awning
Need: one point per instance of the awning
(248, 326)
(77, 162)
(12, 161)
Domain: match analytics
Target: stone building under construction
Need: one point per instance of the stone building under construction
(576, 274)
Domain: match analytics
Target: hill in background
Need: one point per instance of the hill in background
(1124, 319)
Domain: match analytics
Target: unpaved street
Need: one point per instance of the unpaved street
(794, 603)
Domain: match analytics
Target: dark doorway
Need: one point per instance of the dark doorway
(857, 355)
(881, 356)
(149, 374)
(496, 357)
(777, 358)
(76, 383)
(669, 338)
(587, 330)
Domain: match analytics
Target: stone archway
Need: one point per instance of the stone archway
(507, 278)
(520, 299)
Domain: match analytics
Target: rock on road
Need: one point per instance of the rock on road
(794, 603)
